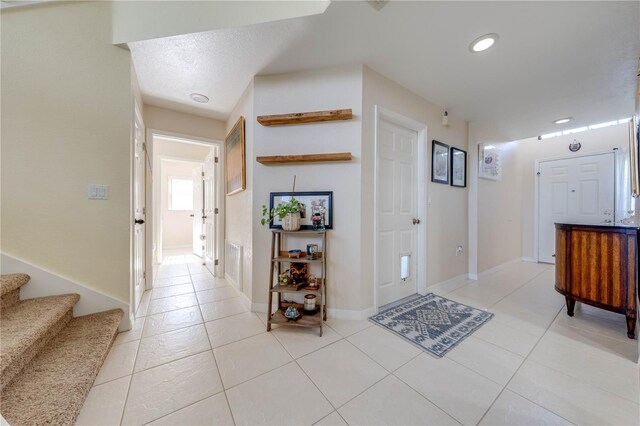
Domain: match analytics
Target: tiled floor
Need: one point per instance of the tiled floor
(196, 355)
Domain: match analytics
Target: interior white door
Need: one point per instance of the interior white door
(575, 190)
(198, 211)
(210, 209)
(396, 206)
(139, 210)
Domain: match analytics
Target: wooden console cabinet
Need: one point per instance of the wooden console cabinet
(598, 265)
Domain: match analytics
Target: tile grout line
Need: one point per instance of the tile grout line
(126, 398)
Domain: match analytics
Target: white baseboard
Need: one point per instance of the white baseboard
(449, 285)
(473, 277)
(233, 283)
(47, 283)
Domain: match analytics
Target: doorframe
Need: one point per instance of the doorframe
(536, 189)
(383, 114)
(220, 199)
(137, 114)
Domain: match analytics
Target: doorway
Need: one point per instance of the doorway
(574, 190)
(400, 193)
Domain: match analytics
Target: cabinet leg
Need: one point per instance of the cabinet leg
(631, 325)
(571, 304)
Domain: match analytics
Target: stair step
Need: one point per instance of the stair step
(27, 326)
(53, 387)
(10, 288)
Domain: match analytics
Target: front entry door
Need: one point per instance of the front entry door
(211, 210)
(396, 206)
(574, 190)
(139, 274)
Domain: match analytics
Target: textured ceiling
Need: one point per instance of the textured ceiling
(553, 59)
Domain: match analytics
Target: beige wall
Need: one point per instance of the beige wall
(447, 214)
(66, 123)
(171, 121)
(239, 207)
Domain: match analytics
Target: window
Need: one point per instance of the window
(180, 193)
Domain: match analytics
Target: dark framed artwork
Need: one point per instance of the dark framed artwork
(309, 201)
(235, 174)
(458, 167)
(439, 162)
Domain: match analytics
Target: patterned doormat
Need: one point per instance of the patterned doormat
(433, 323)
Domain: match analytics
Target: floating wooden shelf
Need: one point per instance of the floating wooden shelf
(308, 158)
(305, 117)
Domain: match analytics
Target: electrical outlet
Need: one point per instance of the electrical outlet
(459, 250)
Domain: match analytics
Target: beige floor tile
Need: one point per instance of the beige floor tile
(118, 363)
(270, 399)
(491, 361)
(384, 347)
(507, 336)
(209, 284)
(170, 271)
(166, 282)
(392, 402)
(162, 390)
(211, 411)
(173, 320)
(158, 306)
(134, 334)
(234, 328)
(346, 328)
(300, 341)
(223, 308)
(447, 287)
(333, 419)
(512, 409)
(590, 358)
(216, 294)
(198, 268)
(204, 276)
(460, 392)
(572, 399)
(248, 358)
(104, 404)
(595, 320)
(341, 371)
(173, 290)
(166, 347)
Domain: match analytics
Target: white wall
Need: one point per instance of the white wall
(67, 110)
(177, 225)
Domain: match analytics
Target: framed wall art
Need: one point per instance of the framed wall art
(458, 167)
(312, 202)
(439, 162)
(489, 161)
(235, 174)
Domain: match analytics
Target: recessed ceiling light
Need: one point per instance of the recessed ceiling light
(563, 120)
(483, 42)
(200, 98)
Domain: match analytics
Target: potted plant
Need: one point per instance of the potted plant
(288, 212)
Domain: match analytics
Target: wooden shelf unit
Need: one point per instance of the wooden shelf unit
(278, 258)
(305, 117)
(306, 158)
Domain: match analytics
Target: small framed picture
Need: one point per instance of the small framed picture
(439, 162)
(489, 166)
(458, 167)
(312, 202)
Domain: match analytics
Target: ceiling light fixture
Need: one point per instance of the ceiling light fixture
(484, 42)
(563, 120)
(200, 98)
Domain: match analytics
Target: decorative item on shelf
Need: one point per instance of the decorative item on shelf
(575, 146)
(292, 313)
(305, 202)
(283, 278)
(298, 273)
(317, 217)
(312, 282)
(288, 212)
(286, 303)
(295, 254)
(310, 304)
(312, 251)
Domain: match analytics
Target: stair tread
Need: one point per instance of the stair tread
(10, 282)
(23, 324)
(52, 388)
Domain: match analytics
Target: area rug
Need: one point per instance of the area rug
(433, 323)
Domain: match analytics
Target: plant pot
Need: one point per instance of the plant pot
(291, 222)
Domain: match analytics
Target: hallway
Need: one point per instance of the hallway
(197, 355)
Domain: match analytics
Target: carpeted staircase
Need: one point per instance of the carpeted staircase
(48, 358)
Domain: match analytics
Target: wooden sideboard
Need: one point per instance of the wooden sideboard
(598, 265)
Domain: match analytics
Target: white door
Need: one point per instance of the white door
(198, 211)
(396, 206)
(574, 190)
(139, 210)
(210, 209)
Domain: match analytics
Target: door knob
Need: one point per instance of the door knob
(190, 215)
(139, 221)
(416, 221)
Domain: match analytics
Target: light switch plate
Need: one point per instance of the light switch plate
(98, 192)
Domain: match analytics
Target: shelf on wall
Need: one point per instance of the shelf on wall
(305, 117)
(307, 158)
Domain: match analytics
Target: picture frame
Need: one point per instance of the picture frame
(235, 163)
(439, 162)
(489, 166)
(308, 199)
(458, 167)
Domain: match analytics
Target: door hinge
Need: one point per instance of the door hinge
(144, 146)
(202, 174)
(144, 274)
(144, 210)
(215, 262)
(215, 210)
(216, 159)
